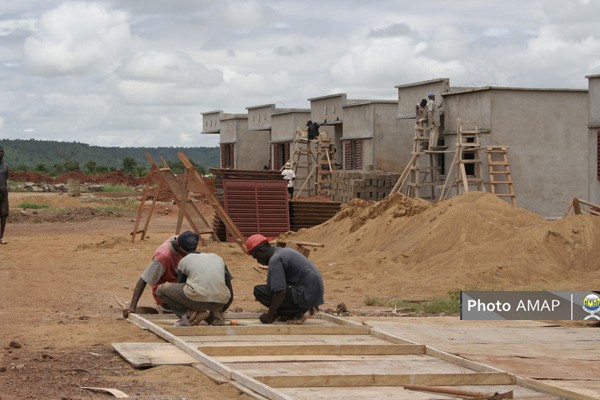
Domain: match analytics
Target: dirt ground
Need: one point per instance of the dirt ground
(61, 274)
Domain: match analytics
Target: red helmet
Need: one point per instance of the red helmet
(254, 241)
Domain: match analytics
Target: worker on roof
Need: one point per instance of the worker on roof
(294, 285)
(163, 267)
(313, 130)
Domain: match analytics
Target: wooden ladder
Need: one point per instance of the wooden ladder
(467, 160)
(303, 159)
(325, 151)
(421, 170)
(501, 183)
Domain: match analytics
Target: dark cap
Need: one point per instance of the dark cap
(188, 241)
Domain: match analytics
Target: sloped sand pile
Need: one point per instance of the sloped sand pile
(409, 248)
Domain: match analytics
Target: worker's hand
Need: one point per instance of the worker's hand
(128, 311)
(266, 318)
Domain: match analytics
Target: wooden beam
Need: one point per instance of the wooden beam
(313, 349)
(467, 379)
(268, 330)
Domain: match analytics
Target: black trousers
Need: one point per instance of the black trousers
(288, 308)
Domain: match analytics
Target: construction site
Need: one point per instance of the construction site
(459, 215)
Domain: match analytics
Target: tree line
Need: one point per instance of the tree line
(54, 158)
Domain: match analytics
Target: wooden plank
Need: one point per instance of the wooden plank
(397, 393)
(309, 358)
(181, 344)
(259, 387)
(142, 355)
(249, 340)
(476, 378)
(312, 349)
(553, 390)
(381, 365)
(272, 329)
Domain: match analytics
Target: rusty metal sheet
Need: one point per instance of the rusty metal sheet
(257, 206)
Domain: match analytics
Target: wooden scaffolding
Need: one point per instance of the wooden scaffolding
(312, 162)
(181, 187)
(466, 167)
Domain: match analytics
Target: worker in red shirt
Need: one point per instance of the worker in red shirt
(163, 267)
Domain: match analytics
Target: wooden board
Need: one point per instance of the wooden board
(330, 353)
(312, 349)
(142, 355)
(346, 380)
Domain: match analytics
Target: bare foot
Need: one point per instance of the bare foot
(314, 310)
(296, 321)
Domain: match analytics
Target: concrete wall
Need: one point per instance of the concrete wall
(284, 125)
(259, 117)
(251, 149)
(211, 122)
(593, 139)
(544, 130)
(328, 108)
(376, 123)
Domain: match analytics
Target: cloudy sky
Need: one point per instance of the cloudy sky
(141, 72)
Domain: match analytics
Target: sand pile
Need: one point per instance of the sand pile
(409, 248)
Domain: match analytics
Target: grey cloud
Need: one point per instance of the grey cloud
(395, 30)
(289, 51)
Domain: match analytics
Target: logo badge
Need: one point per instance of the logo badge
(591, 305)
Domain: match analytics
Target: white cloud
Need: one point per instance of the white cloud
(141, 72)
(77, 38)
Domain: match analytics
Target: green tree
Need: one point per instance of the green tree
(129, 165)
(22, 167)
(101, 169)
(41, 168)
(57, 169)
(176, 166)
(91, 167)
(72, 166)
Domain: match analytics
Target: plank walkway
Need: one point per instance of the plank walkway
(325, 358)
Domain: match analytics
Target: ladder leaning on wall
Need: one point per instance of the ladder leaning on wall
(501, 184)
(468, 173)
(312, 162)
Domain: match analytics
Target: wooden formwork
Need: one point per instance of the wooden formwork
(325, 358)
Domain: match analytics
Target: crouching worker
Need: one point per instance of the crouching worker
(163, 267)
(203, 291)
(294, 285)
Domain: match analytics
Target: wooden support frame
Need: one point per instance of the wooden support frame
(274, 381)
(197, 185)
(178, 187)
(151, 182)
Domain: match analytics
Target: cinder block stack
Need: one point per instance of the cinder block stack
(368, 185)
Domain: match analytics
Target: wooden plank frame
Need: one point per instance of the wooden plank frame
(268, 385)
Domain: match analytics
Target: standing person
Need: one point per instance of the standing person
(290, 176)
(163, 267)
(294, 285)
(433, 120)
(203, 290)
(313, 130)
(3, 195)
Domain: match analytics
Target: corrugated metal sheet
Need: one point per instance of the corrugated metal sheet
(257, 206)
(306, 214)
